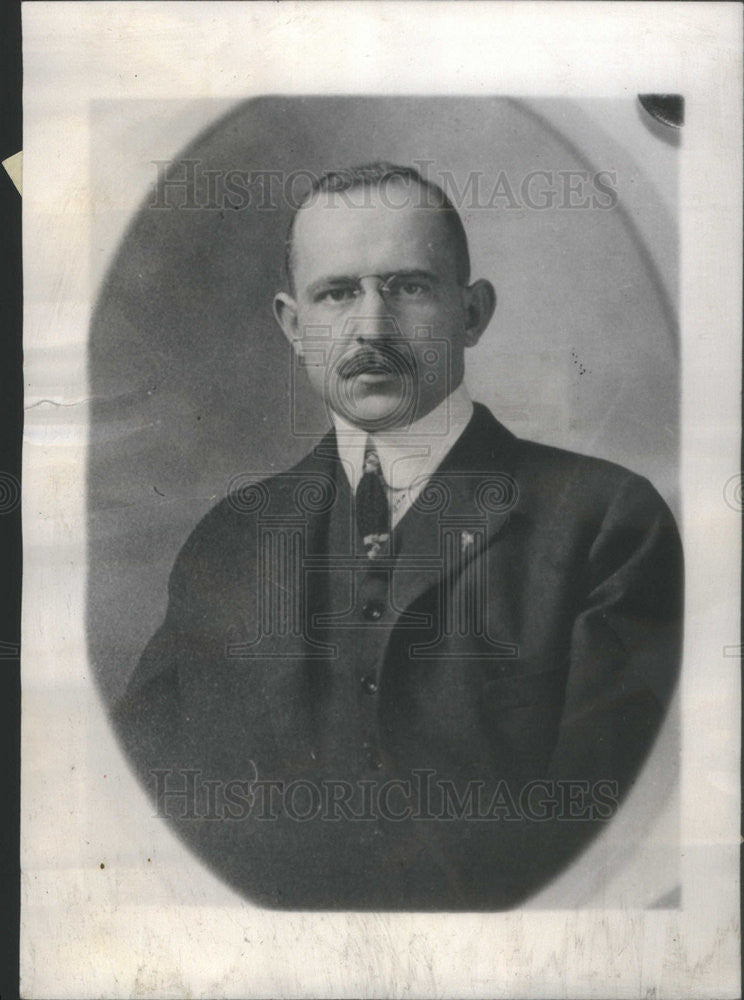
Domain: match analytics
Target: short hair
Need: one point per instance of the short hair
(376, 175)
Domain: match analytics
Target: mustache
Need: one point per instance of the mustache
(383, 359)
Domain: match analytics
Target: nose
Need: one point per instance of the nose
(372, 320)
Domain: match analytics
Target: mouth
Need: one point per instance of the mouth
(374, 377)
(373, 367)
(370, 378)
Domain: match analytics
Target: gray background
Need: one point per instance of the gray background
(191, 380)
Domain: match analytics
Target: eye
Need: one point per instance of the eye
(411, 288)
(336, 294)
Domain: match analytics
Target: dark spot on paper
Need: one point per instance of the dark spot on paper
(583, 370)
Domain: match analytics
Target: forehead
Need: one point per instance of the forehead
(369, 232)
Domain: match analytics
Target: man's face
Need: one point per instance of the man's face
(378, 315)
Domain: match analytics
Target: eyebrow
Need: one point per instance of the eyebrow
(352, 279)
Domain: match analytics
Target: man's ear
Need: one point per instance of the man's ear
(480, 304)
(285, 313)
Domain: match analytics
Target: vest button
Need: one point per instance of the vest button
(369, 684)
(372, 610)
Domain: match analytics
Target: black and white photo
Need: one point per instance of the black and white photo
(381, 500)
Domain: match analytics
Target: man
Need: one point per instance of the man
(439, 653)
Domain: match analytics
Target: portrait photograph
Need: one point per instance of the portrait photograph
(422, 671)
(381, 503)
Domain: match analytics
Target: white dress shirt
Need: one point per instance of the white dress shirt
(408, 455)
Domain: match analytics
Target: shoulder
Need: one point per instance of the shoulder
(557, 481)
(568, 486)
(230, 526)
(570, 469)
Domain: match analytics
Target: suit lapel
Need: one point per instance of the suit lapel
(458, 517)
(463, 509)
(291, 532)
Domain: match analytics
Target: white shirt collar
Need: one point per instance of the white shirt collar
(408, 455)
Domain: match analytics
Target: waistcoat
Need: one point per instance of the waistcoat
(351, 613)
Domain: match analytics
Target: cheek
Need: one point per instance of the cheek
(443, 343)
(322, 326)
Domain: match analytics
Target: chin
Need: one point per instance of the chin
(374, 412)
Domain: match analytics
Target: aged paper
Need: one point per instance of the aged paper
(592, 152)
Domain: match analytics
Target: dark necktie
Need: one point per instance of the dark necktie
(372, 510)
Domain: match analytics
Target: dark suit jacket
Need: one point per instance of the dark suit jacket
(531, 633)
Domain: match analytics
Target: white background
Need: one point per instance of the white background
(152, 922)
